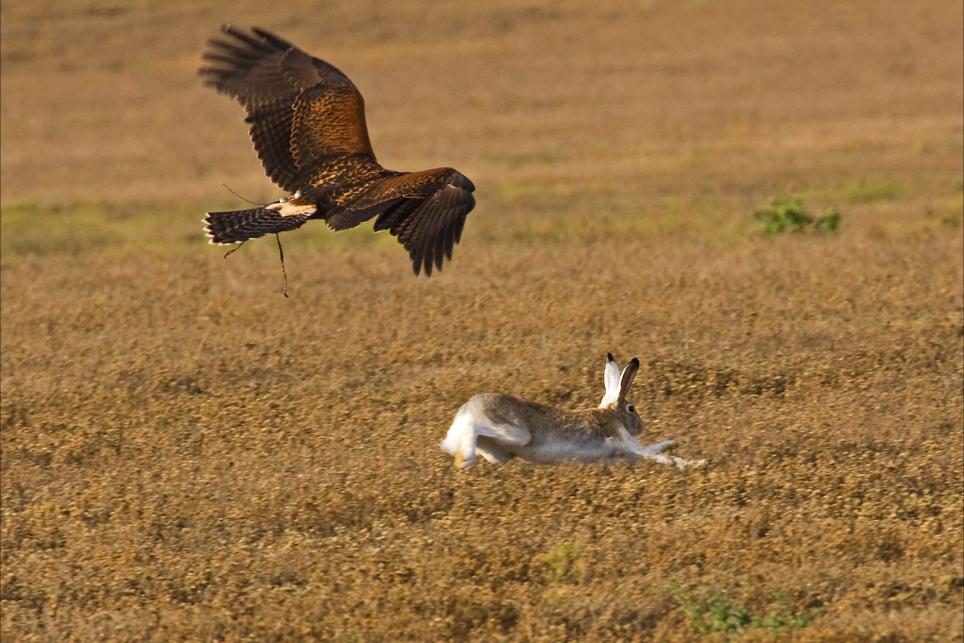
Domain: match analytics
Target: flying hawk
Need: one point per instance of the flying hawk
(307, 123)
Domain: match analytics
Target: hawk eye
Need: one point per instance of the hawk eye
(630, 408)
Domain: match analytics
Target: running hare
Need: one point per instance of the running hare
(499, 427)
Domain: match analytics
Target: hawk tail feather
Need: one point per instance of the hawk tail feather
(240, 225)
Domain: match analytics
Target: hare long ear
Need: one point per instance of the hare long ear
(626, 380)
(611, 379)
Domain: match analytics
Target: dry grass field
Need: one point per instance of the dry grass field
(188, 455)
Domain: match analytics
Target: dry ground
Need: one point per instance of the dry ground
(186, 454)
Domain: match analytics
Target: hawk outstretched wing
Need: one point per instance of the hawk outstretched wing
(300, 109)
(424, 210)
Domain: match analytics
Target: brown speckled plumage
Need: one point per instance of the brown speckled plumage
(307, 124)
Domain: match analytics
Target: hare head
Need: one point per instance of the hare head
(617, 387)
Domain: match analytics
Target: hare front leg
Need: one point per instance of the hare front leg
(659, 447)
(680, 463)
(654, 452)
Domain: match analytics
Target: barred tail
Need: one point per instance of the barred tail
(240, 225)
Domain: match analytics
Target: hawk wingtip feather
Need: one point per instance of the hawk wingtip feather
(272, 37)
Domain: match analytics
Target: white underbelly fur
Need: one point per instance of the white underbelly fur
(548, 452)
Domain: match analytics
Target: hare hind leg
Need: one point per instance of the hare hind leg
(494, 441)
(492, 451)
(469, 427)
(502, 435)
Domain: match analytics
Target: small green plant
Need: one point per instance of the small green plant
(712, 612)
(829, 221)
(564, 564)
(783, 619)
(787, 214)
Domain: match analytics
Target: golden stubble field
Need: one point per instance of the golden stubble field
(186, 454)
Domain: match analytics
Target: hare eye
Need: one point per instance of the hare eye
(630, 408)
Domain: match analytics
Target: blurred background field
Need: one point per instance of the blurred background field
(186, 453)
(674, 116)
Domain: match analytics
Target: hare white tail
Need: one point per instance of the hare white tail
(460, 439)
